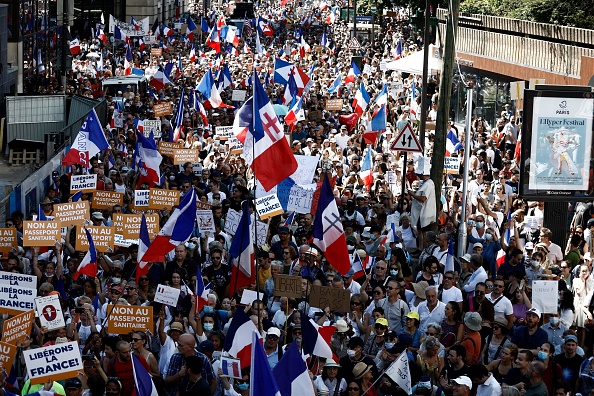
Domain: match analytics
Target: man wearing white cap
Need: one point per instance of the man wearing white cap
(462, 386)
(530, 336)
(273, 351)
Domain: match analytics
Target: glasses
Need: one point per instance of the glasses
(499, 286)
(489, 286)
(137, 339)
(215, 257)
(286, 252)
(564, 267)
(380, 327)
(130, 288)
(381, 268)
(377, 292)
(184, 187)
(116, 292)
(355, 303)
(496, 328)
(297, 332)
(430, 334)
(143, 280)
(449, 277)
(272, 337)
(392, 288)
(352, 388)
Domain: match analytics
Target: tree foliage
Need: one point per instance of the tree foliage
(559, 12)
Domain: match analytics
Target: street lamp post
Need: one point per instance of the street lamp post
(373, 12)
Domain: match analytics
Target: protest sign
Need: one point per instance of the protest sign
(41, 233)
(300, 197)
(168, 148)
(119, 240)
(232, 221)
(118, 222)
(7, 354)
(249, 296)
(72, 213)
(140, 28)
(167, 295)
(162, 109)
(17, 292)
(183, 155)
(203, 205)
(141, 198)
(383, 65)
(238, 95)
(399, 372)
(334, 104)
(131, 228)
(8, 239)
(224, 132)
(50, 312)
(451, 165)
(152, 125)
(53, 362)
(231, 367)
(287, 286)
(18, 327)
(235, 146)
(106, 199)
(544, 296)
(197, 169)
(103, 238)
(205, 221)
(156, 51)
(268, 206)
(123, 319)
(163, 199)
(327, 296)
(84, 183)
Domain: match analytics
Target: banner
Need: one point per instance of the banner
(8, 239)
(131, 228)
(41, 233)
(167, 295)
(7, 354)
(17, 292)
(53, 362)
(50, 312)
(163, 199)
(306, 169)
(205, 221)
(168, 148)
(300, 197)
(544, 296)
(72, 213)
(84, 183)
(106, 199)
(183, 155)
(119, 240)
(18, 327)
(399, 372)
(268, 206)
(560, 144)
(142, 27)
(141, 198)
(103, 238)
(124, 319)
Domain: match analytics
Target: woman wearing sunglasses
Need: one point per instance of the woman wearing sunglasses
(137, 343)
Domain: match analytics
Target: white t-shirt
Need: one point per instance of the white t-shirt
(167, 351)
(503, 308)
(555, 253)
(452, 294)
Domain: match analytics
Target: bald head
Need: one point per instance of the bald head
(186, 344)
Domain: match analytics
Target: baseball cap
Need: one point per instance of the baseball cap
(464, 380)
(534, 311)
(73, 383)
(274, 331)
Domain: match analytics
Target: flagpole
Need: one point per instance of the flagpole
(255, 241)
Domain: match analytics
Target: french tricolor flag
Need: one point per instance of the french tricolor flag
(353, 72)
(208, 89)
(398, 52)
(151, 159)
(328, 233)
(361, 100)
(243, 271)
(316, 338)
(231, 368)
(357, 265)
(89, 142)
(452, 143)
(201, 291)
(143, 383)
(366, 172)
(239, 337)
(143, 244)
(88, 265)
(176, 231)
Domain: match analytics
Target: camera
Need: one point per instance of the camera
(88, 357)
(79, 310)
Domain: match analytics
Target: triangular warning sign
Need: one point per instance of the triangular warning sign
(406, 141)
(354, 44)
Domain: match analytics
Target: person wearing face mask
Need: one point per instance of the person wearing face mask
(355, 355)
(553, 371)
(476, 231)
(376, 340)
(491, 246)
(555, 329)
(534, 271)
(241, 387)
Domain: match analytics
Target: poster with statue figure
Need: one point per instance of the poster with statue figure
(560, 144)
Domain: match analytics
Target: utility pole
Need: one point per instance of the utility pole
(443, 103)
(426, 34)
(355, 18)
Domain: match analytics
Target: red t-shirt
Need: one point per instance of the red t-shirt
(123, 370)
(473, 349)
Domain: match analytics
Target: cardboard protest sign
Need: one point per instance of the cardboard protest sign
(123, 319)
(224, 132)
(183, 155)
(327, 296)
(203, 205)
(72, 213)
(168, 148)
(249, 296)
(7, 354)
(544, 296)
(131, 229)
(163, 199)
(162, 109)
(235, 146)
(50, 312)
(106, 199)
(334, 104)
(156, 51)
(205, 221)
(268, 206)
(41, 233)
(167, 295)
(451, 165)
(17, 292)
(84, 183)
(103, 238)
(141, 198)
(18, 327)
(287, 286)
(232, 221)
(238, 95)
(53, 362)
(8, 239)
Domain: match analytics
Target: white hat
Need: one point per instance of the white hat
(341, 326)
(529, 246)
(274, 331)
(464, 380)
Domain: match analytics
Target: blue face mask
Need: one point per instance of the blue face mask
(480, 224)
(243, 387)
(208, 309)
(542, 356)
(389, 345)
(488, 237)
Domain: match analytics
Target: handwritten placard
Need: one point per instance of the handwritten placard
(287, 286)
(544, 296)
(162, 109)
(327, 296)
